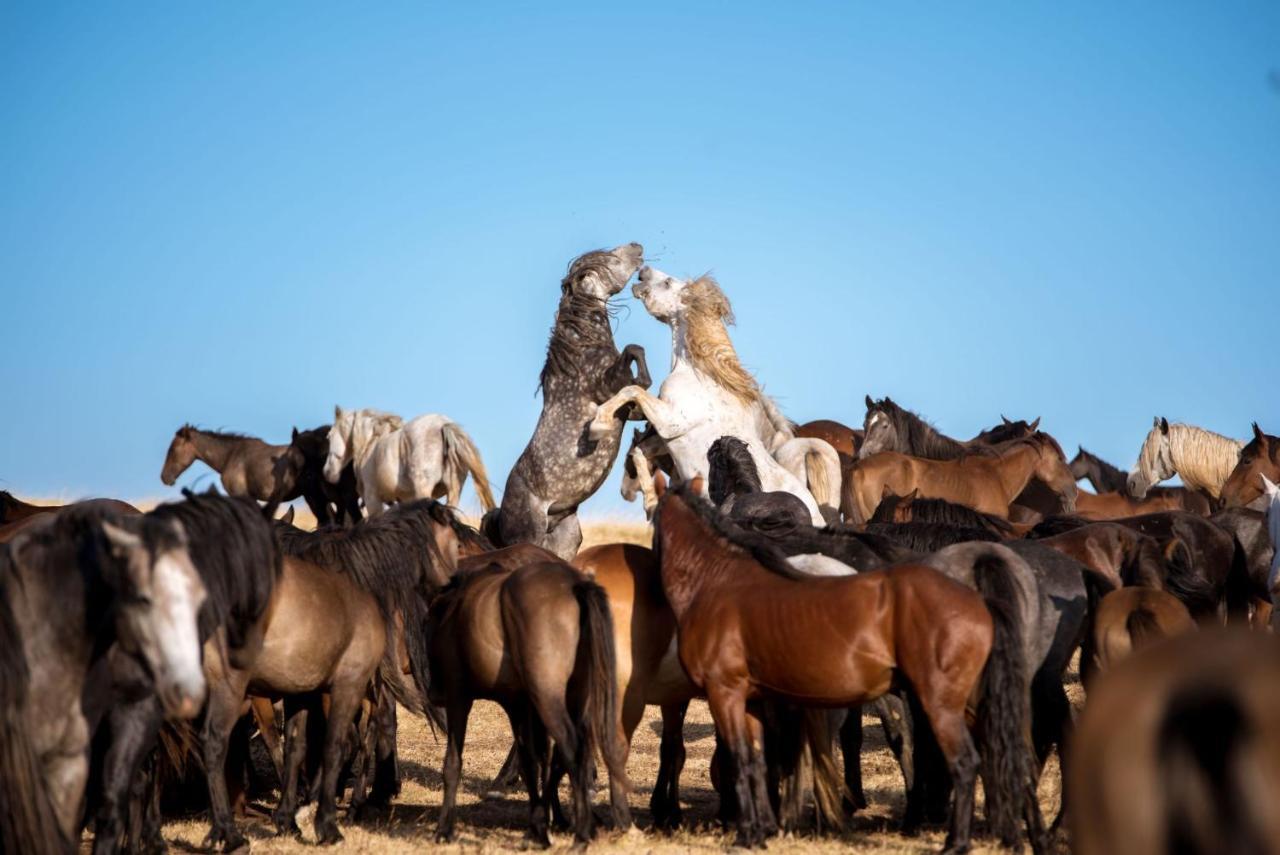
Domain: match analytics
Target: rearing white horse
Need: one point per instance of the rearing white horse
(397, 461)
(708, 393)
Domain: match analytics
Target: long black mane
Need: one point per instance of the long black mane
(232, 547)
(763, 550)
(582, 321)
(731, 470)
(929, 537)
(916, 436)
(941, 511)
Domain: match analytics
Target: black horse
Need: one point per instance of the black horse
(303, 466)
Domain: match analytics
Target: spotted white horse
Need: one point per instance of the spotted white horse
(708, 394)
(398, 461)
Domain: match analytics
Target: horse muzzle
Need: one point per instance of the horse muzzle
(182, 699)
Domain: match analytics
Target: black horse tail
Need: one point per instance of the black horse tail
(598, 667)
(1239, 589)
(28, 821)
(1186, 582)
(491, 527)
(1004, 704)
(1207, 801)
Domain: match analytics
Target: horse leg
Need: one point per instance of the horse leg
(729, 710)
(367, 733)
(1050, 726)
(531, 745)
(508, 776)
(456, 714)
(851, 747)
(386, 773)
(319, 506)
(664, 805)
(221, 714)
(264, 713)
(571, 746)
(296, 713)
(956, 744)
(564, 538)
(344, 702)
(134, 728)
(765, 817)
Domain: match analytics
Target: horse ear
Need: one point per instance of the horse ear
(122, 542)
(287, 516)
(1257, 432)
(870, 403)
(1005, 419)
(337, 412)
(912, 496)
(294, 436)
(1035, 426)
(1163, 423)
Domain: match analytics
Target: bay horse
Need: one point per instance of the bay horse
(1259, 457)
(428, 457)
(736, 610)
(1128, 619)
(538, 640)
(1175, 750)
(1111, 480)
(561, 467)
(13, 509)
(890, 427)
(985, 482)
(1202, 459)
(76, 587)
(708, 394)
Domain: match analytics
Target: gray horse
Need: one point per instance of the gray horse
(561, 466)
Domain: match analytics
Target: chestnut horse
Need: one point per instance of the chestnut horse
(985, 482)
(1261, 456)
(844, 439)
(1131, 618)
(740, 614)
(1176, 750)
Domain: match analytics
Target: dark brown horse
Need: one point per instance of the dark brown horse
(1109, 481)
(19, 514)
(1260, 457)
(844, 439)
(13, 509)
(1176, 750)
(301, 469)
(912, 508)
(246, 464)
(737, 610)
(1128, 619)
(538, 640)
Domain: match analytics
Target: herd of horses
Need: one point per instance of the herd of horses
(799, 575)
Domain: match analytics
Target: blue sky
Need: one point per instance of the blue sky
(241, 214)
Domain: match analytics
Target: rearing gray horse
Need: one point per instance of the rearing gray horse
(561, 466)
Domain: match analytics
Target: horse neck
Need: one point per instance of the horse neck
(363, 438)
(932, 443)
(214, 450)
(1105, 477)
(1206, 472)
(699, 567)
(680, 342)
(1017, 467)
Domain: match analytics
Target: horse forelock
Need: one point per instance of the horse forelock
(707, 313)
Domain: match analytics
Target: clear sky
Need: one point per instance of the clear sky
(239, 215)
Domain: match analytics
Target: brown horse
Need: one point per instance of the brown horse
(1260, 457)
(246, 464)
(844, 439)
(1131, 618)
(738, 613)
(1108, 479)
(18, 514)
(985, 482)
(1117, 552)
(1177, 750)
(538, 640)
(13, 509)
(1117, 505)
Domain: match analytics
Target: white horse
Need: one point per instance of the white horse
(397, 461)
(708, 393)
(1272, 493)
(1201, 458)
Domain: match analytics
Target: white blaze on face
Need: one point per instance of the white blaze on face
(177, 594)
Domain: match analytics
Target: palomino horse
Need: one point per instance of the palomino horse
(1109, 480)
(1201, 458)
(1260, 457)
(397, 461)
(538, 640)
(736, 610)
(77, 586)
(1129, 619)
(708, 394)
(1176, 750)
(984, 482)
(561, 467)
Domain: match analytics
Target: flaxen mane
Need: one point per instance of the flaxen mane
(582, 320)
(1203, 459)
(707, 312)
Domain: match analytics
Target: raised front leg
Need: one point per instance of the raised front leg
(665, 419)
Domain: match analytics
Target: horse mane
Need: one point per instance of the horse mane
(711, 351)
(1060, 524)
(921, 438)
(728, 535)
(941, 511)
(582, 320)
(28, 822)
(1202, 458)
(220, 434)
(929, 537)
(1112, 478)
(1004, 432)
(731, 469)
(312, 442)
(232, 548)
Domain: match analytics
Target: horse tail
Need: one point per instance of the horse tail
(1142, 626)
(822, 471)
(829, 790)
(28, 821)
(1004, 700)
(1185, 581)
(1239, 587)
(463, 456)
(491, 527)
(598, 665)
(1096, 586)
(1207, 801)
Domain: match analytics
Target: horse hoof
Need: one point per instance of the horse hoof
(287, 825)
(446, 835)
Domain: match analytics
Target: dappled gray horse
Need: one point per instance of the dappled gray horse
(561, 466)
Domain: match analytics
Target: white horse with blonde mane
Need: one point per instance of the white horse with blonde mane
(397, 461)
(1201, 458)
(708, 394)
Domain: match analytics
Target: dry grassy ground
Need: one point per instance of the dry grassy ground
(497, 824)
